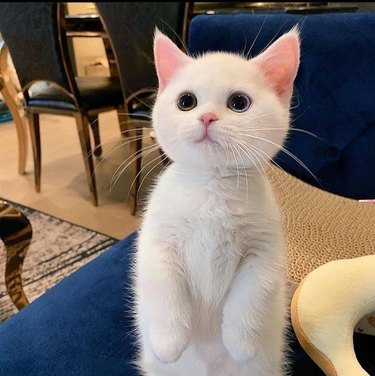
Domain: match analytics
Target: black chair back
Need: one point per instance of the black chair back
(131, 26)
(31, 31)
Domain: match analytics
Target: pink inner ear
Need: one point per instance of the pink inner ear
(280, 62)
(168, 59)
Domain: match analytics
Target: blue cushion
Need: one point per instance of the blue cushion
(334, 90)
(79, 327)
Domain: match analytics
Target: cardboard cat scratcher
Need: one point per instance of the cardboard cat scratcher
(331, 258)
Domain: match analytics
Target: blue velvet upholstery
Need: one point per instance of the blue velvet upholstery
(81, 326)
(334, 90)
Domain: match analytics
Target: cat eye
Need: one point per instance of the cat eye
(186, 101)
(239, 102)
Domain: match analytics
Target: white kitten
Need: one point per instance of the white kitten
(209, 269)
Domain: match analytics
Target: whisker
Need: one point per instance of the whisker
(163, 157)
(277, 32)
(237, 167)
(129, 160)
(149, 172)
(115, 149)
(166, 164)
(271, 165)
(137, 98)
(115, 181)
(256, 37)
(244, 49)
(287, 152)
(297, 105)
(131, 114)
(135, 128)
(268, 160)
(301, 114)
(306, 132)
(291, 129)
(243, 163)
(227, 160)
(259, 116)
(134, 157)
(247, 148)
(116, 137)
(259, 152)
(139, 174)
(183, 44)
(258, 163)
(129, 140)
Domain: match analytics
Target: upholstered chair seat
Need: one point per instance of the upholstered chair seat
(94, 92)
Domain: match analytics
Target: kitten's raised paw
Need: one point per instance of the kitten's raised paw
(240, 349)
(168, 344)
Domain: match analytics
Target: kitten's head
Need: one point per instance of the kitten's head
(221, 110)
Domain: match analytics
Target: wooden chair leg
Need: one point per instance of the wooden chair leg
(135, 150)
(14, 105)
(123, 120)
(94, 123)
(9, 93)
(33, 119)
(16, 233)
(84, 138)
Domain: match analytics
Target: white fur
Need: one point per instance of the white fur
(209, 269)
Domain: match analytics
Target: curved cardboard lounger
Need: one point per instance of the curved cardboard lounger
(326, 308)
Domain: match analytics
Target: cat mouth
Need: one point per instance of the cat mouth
(206, 140)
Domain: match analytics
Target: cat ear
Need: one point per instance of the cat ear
(280, 62)
(168, 58)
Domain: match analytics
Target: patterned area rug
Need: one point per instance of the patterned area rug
(57, 249)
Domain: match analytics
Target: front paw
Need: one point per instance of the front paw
(169, 343)
(240, 345)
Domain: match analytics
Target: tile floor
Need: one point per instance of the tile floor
(64, 191)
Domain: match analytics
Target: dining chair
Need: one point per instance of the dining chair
(131, 27)
(37, 41)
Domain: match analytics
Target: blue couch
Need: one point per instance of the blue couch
(333, 95)
(82, 326)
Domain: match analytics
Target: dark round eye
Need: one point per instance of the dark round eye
(186, 101)
(239, 102)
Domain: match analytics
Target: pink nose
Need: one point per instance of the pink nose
(207, 118)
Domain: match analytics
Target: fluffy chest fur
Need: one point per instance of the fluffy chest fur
(210, 223)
